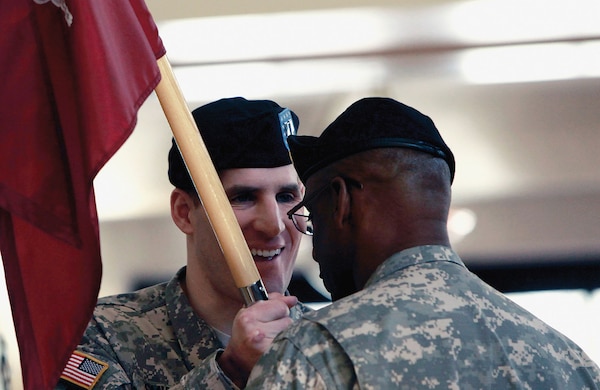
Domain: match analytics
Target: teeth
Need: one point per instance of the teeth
(265, 253)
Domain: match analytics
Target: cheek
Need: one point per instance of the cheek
(244, 219)
(331, 256)
(241, 215)
(323, 240)
(295, 235)
(321, 248)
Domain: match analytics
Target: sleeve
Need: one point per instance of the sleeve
(284, 366)
(304, 356)
(97, 365)
(94, 365)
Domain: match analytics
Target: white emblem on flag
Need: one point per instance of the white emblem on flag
(63, 6)
(83, 370)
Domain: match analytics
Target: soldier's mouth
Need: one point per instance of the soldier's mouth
(265, 253)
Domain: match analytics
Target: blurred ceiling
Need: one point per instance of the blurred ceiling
(513, 86)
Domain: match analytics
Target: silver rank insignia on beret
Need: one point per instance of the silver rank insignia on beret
(287, 125)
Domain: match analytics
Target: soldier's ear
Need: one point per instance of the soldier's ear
(341, 202)
(181, 206)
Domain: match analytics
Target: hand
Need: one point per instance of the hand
(253, 331)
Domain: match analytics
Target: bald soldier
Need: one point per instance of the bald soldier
(193, 332)
(407, 313)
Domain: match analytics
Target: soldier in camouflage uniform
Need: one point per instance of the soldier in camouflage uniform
(407, 313)
(193, 332)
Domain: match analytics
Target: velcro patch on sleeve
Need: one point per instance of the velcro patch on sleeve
(83, 370)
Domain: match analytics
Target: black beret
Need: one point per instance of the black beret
(239, 133)
(367, 124)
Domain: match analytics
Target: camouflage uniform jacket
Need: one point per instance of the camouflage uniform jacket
(152, 339)
(423, 321)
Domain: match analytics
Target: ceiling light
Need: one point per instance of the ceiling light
(268, 79)
(272, 36)
(527, 63)
(513, 21)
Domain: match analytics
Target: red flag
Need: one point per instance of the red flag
(73, 76)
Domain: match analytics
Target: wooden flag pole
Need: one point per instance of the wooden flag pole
(208, 186)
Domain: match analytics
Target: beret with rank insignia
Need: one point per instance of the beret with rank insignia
(239, 133)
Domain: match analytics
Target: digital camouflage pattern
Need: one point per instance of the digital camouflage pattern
(152, 339)
(424, 321)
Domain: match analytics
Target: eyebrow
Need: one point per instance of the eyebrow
(294, 187)
(290, 188)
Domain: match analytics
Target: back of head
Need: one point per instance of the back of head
(404, 164)
(238, 133)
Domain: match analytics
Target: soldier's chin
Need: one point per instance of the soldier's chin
(341, 286)
(273, 286)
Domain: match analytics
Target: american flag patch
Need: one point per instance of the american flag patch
(83, 370)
